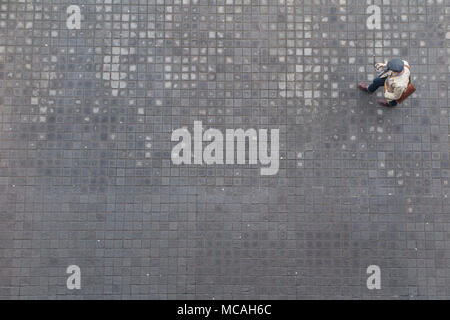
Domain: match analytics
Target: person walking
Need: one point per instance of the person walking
(395, 77)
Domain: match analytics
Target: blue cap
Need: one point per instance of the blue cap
(396, 65)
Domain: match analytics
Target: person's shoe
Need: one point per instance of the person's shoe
(363, 87)
(384, 103)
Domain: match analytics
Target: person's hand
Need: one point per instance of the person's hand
(380, 65)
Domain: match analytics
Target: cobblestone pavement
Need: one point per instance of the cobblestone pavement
(86, 176)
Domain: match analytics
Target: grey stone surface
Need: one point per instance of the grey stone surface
(86, 177)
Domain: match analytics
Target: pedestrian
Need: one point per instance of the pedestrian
(395, 77)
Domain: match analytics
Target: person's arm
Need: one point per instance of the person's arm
(381, 68)
(397, 94)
